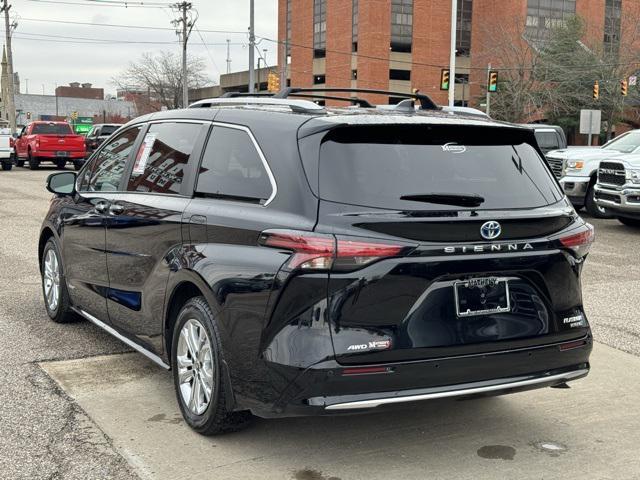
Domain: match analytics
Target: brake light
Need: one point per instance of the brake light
(315, 251)
(581, 242)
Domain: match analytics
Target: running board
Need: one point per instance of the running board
(372, 403)
(151, 356)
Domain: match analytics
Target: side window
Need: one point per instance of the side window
(232, 167)
(107, 167)
(163, 156)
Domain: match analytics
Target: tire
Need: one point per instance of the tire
(53, 280)
(33, 162)
(207, 417)
(18, 161)
(77, 165)
(60, 164)
(630, 222)
(7, 165)
(592, 207)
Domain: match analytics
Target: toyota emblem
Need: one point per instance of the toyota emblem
(490, 230)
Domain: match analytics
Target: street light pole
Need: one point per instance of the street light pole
(452, 57)
(252, 46)
(10, 101)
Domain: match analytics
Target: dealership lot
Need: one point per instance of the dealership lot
(114, 415)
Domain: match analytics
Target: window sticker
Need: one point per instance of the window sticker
(143, 153)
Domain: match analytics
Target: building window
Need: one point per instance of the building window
(401, 25)
(319, 79)
(399, 74)
(354, 25)
(463, 36)
(545, 15)
(319, 28)
(612, 26)
(288, 53)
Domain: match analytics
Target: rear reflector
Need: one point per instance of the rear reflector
(316, 251)
(580, 242)
(366, 370)
(571, 345)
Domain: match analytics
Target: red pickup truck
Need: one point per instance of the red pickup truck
(49, 142)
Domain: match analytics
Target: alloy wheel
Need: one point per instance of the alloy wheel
(195, 366)
(51, 280)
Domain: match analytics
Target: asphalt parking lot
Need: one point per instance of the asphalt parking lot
(75, 405)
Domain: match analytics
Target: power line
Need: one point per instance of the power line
(107, 40)
(116, 25)
(106, 3)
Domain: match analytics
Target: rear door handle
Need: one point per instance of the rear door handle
(116, 209)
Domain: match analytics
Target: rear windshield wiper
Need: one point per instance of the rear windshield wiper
(457, 199)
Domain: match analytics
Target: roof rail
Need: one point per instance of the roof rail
(354, 100)
(297, 106)
(245, 94)
(425, 102)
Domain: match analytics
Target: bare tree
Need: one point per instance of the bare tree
(160, 75)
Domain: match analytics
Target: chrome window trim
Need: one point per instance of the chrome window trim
(263, 159)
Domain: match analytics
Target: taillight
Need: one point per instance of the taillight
(580, 242)
(316, 251)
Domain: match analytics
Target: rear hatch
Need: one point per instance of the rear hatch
(449, 241)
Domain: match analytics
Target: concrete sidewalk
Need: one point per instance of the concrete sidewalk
(589, 431)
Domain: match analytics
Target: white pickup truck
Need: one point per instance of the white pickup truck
(6, 150)
(580, 169)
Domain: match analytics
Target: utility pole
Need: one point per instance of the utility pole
(228, 56)
(488, 111)
(187, 26)
(452, 58)
(10, 101)
(252, 46)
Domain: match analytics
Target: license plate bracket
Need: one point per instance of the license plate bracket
(482, 296)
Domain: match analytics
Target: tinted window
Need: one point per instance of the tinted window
(232, 167)
(548, 140)
(106, 130)
(107, 167)
(51, 129)
(375, 166)
(162, 157)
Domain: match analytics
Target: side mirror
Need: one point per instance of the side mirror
(63, 183)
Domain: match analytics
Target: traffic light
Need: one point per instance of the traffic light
(28, 115)
(624, 88)
(596, 90)
(74, 115)
(444, 79)
(273, 82)
(493, 82)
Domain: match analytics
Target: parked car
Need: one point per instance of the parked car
(98, 134)
(286, 259)
(580, 169)
(618, 188)
(6, 149)
(549, 138)
(52, 142)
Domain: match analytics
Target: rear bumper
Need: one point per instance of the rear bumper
(53, 155)
(575, 188)
(327, 388)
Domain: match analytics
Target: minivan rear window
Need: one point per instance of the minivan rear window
(375, 166)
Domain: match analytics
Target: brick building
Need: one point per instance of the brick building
(80, 90)
(403, 44)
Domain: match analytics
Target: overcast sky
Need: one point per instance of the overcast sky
(44, 55)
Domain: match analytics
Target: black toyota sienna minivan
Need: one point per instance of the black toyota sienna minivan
(284, 258)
